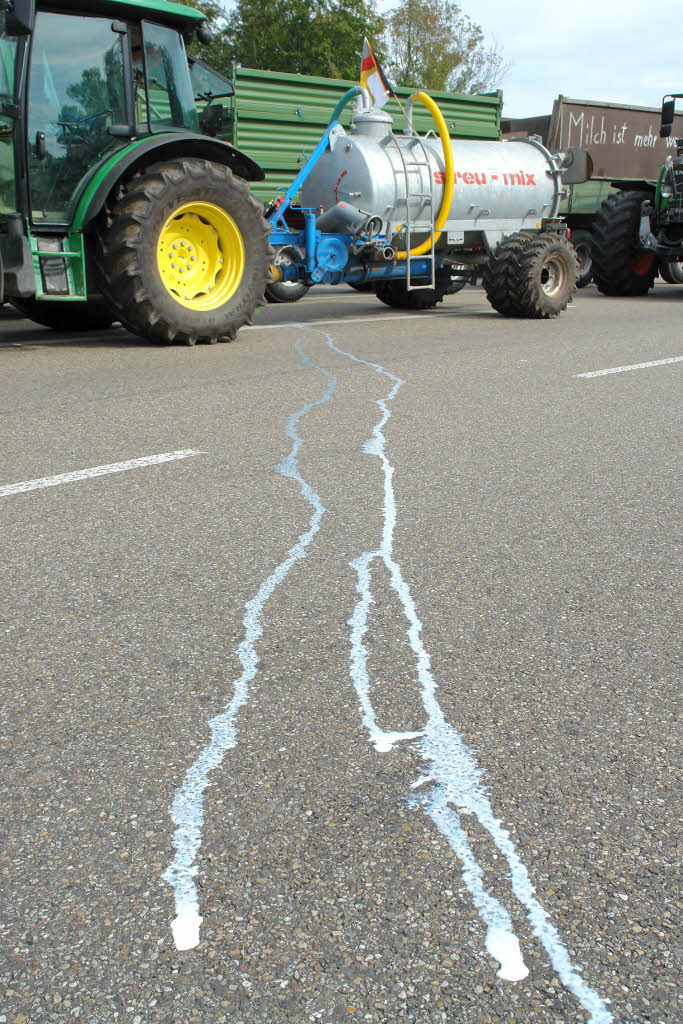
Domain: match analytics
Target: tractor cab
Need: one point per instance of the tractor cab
(97, 78)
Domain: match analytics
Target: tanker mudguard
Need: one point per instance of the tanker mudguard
(152, 149)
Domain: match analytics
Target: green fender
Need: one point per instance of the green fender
(151, 149)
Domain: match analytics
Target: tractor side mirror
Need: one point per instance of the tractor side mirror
(577, 166)
(668, 110)
(19, 17)
(204, 34)
(211, 119)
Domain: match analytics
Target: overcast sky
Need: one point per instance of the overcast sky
(621, 51)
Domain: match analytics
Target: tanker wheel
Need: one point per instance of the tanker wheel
(499, 274)
(184, 253)
(286, 291)
(459, 276)
(620, 265)
(671, 271)
(545, 275)
(395, 293)
(582, 242)
(93, 315)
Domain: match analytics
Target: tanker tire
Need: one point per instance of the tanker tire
(396, 294)
(545, 276)
(620, 266)
(671, 271)
(92, 315)
(286, 291)
(499, 276)
(582, 242)
(128, 264)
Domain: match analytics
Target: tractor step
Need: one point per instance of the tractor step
(59, 267)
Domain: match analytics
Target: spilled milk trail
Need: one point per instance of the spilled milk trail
(457, 785)
(187, 810)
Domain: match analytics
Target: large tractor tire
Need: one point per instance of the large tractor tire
(582, 241)
(499, 274)
(620, 265)
(532, 275)
(671, 271)
(93, 315)
(184, 253)
(286, 291)
(394, 292)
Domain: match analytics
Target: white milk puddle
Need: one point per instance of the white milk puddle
(456, 780)
(187, 810)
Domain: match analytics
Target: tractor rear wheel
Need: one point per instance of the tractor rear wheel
(184, 253)
(620, 265)
(93, 315)
(582, 241)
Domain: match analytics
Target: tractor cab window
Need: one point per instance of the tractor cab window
(208, 85)
(75, 95)
(8, 199)
(169, 91)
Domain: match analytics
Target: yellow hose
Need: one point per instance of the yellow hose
(431, 106)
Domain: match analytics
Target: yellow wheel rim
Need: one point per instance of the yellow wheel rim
(200, 255)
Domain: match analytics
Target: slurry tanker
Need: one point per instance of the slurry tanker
(118, 203)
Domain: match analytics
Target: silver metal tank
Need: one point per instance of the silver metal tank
(500, 187)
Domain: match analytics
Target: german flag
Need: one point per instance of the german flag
(372, 77)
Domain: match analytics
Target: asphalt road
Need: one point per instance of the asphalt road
(512, 600)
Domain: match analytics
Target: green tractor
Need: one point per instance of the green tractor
(117, 201)
(638, 232)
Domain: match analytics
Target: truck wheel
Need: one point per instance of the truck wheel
(546, 273)
(184, 253)
(286, 291)
(93, 315)
(499, 274)
(583, 244)
(395, 293)
(620, 265)
(671, 271)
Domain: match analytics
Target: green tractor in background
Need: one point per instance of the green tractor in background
(117, 201)
(638, 232)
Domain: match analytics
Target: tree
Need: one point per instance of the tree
(432, 44)
(217, 53)
(310, 37)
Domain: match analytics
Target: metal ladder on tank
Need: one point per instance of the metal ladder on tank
(427, 202)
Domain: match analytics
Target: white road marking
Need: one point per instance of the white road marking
(633, 366)
(187, 811)
(380, 317)
(458, 787)
(86, 474)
